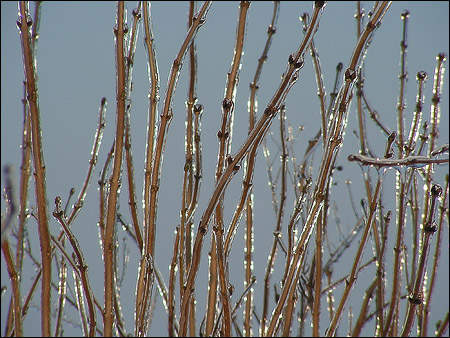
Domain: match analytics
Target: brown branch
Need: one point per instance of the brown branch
(410, 161)
(334, 140)
(290, 77)
(225, 139)
(129, 157)
(171, 300)
(92, 162)
(80, 264)
(108, 245)
(415, 123)
(166, 117)
(62, 291)
(434, 269)
(15, 286)
(403, 76)
(152, 181)
(24, 23)
(416, 297)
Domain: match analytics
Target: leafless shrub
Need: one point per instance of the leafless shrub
(322, 246)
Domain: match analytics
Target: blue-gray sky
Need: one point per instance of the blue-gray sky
(76, 68)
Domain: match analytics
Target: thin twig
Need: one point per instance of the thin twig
(24, 23)
(108, 244)
(92, 162)
(295, 63)
(410, 161)
(336, 129)
(416, 297)
(80, 265)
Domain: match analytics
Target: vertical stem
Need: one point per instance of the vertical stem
(320, 82)
(24, 22)
(359, 84)
(129, 157)
(188, 191)
(248, 267)
(171, 300)
(225, 138)
(23, 197)
(108, 245)
(426, 308)
(260, 129)
(277, 230)
(434, 120)
(403, 75)
(166, 117)
(15, 286)
(334, 140)
(212, 292)
(400, 180)
(153, 172)
(353, 275)
(415, 123)
(416, 297)
(318, 277)
(143, 289)
(153, 107)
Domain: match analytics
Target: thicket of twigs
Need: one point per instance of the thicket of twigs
(314, 262)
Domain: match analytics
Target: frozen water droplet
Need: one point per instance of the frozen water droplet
(319, 4)
(304, 18)
(350, 74)
(381, 171)
(416, 165)
(271, 29)
(364, 167)
(401, 169)
(422, 75)
(411, 148)
(436, 190)
(19, 22)
(405, 14)
(136, 13)
(442, 56)
(198, 108)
